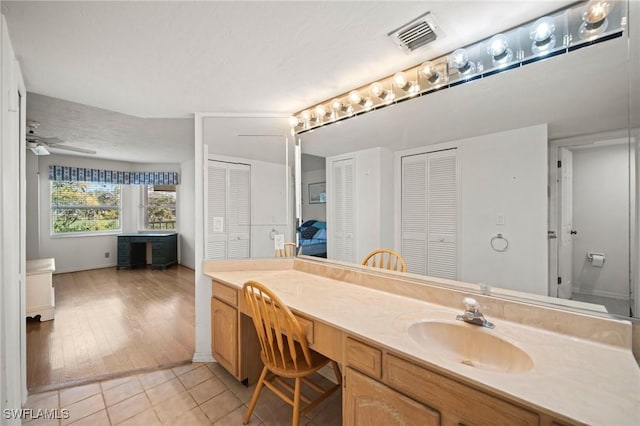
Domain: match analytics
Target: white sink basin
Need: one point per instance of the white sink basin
(471, 345)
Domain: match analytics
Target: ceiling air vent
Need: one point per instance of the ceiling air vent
(417, 33)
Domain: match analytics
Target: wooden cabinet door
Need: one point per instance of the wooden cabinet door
(224, 335)
(458, 404)
(371, 403)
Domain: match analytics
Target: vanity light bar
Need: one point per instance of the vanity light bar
(557, 33)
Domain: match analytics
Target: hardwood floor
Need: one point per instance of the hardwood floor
(110, 322)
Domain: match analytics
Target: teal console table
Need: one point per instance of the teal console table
(132, 249)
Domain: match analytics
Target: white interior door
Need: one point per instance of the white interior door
(228, 210)
(239, 212)
(414, 213)
(442, 187)
(565, 239)
(342, 210)
(430, 213)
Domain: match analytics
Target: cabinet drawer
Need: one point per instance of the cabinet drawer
(225, 293)
(368, 402)
(307, 327)
(364, 358)
(457, 402)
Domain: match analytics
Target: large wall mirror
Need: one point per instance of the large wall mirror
(524, 182)
(248, 185)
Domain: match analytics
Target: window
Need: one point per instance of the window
(159, 207)
(85, 207)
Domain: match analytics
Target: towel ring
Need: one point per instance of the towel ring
(495, 239)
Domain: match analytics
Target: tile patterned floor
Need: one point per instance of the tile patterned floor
(191, 394)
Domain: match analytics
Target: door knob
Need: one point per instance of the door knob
(573, 232)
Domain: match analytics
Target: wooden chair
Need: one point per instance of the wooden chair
(284, 352)
(385, 259)
(289, 250)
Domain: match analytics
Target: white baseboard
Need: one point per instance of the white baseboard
(202, 357)
(82, 268)
(601, 293)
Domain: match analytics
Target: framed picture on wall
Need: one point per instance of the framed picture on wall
(317, 193)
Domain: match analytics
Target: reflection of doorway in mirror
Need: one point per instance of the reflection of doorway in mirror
(565, 239)
(594, 206)
(313, 171)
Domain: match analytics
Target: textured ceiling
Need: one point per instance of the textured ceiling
(110, 74)
(171, 59)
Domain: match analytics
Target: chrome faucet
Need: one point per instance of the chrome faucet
(472, 313)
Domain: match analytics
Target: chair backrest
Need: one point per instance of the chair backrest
(289, 250)
(277, 328)
(385, 259)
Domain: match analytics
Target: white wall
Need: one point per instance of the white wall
(77, 253)
(13, 389)
(186, 216)
(268, 206)
(246, 136)
(505, 174)
(33, 206)
(317, 211)
(601, 217)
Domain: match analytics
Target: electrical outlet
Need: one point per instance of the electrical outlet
(106, 254)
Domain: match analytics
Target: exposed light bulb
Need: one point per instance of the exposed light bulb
(337, 105)
(429, 71)
(294, 121)
(355, 98)
(596, 12)
(594, 18)
(321, 111)
(401, 82)
(459, 60)
(307, 116)
(498, 48)
(377, 90)
(542, 35)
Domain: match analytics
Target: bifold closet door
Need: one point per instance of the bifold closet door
(229, 210)
(429, 213)
(341, 211)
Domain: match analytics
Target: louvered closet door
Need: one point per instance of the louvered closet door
(429, 213)
(442, 202)
(342, 210)
(217, 211)
(239, 211)
(228, 210)
(414, 213)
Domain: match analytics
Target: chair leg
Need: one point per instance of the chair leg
(336, 370)
(296, 403)
(256, 394)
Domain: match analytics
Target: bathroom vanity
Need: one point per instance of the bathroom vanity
(407, 360)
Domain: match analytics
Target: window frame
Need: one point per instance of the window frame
(144, 205)
(119, 208)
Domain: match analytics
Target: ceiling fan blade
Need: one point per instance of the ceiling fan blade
(40, 139)
(72, 148)
(39, 150)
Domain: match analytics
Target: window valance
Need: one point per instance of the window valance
(82, 174)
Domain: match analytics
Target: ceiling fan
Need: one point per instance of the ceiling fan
(39, 145)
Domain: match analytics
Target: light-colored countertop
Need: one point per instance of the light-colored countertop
(40, 266)
(589, 382)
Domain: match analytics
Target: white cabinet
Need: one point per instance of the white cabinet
(359, 203)
(40, 293)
